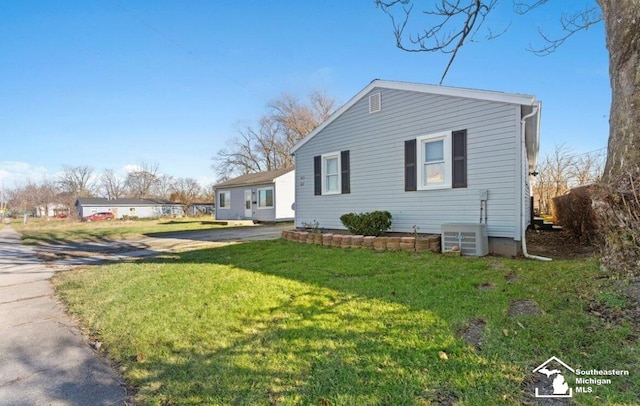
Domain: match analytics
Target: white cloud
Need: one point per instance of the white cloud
(131, 168)
(14, 173)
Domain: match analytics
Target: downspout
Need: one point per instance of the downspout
(525, 172)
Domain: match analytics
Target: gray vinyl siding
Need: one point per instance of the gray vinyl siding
(376, 145)
(237, 212)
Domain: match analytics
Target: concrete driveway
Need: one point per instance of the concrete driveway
(89, 252)
(44, 358)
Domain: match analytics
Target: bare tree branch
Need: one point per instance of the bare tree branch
(571, 23)
(523, 7)
(266, 146)
(451, 23)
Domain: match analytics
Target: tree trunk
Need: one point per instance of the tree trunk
(618, 206)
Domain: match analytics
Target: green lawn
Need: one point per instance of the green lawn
(56, 230)
(282, 323)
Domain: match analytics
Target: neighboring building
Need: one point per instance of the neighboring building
(202, 209)
(264, 196)
(430, 155)
(129, 208)
(52, 210)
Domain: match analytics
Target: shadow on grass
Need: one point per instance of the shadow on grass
(328, 348)
(274, 322)
(358, 328)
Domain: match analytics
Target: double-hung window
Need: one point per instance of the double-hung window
(224, 200)
(331, 173)
(434, 161)
(265, 198)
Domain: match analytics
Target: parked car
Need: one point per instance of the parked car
(105, 215)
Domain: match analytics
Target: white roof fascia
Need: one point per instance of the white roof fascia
(487, 95)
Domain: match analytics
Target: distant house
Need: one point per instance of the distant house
(129, 208)
(202, 208)
(264, 196)
(430, 155)
(52, 210)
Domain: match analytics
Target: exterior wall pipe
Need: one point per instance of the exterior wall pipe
(525, 172)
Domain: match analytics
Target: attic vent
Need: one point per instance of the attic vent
(374, 103)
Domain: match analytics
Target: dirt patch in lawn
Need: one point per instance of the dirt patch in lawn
(623, 307)
(558, 245)
(473, 332)
(524, 307)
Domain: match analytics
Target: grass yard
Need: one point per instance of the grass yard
(281, 323)
(56, 230)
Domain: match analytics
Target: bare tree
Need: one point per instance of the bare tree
(561, 170)
(553, 177)
(250, 151)
(140, 181)
(113, 186)
(185, 191)
(45, 196)
(621, 174)
(266, 147)
(77, 181)
(587, 168)
(163, 187)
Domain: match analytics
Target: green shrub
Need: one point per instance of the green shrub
(372, 223)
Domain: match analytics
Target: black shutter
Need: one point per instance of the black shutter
(345, 172)
(317, 175)
(459, 159)
(410, 169)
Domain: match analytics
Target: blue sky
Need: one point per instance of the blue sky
(113, 84)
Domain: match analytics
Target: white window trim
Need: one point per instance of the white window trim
(420, 141)
(323, 173)
(258, 198)
(227, 193)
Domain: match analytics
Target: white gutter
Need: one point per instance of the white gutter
(525, 172)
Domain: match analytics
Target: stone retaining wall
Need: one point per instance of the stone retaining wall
(387, 243)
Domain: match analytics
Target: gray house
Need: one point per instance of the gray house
(265, 196)
(128, 208)
(430, 155)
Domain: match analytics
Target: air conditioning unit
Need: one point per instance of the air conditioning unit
(470, 239)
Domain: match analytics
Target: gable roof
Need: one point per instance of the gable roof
(487, 95)
(102, 201)
(259, 178)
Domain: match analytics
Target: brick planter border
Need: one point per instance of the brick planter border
(424, 243)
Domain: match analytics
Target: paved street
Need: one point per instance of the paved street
(44, 359)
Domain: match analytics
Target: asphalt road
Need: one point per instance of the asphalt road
(44, 357)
